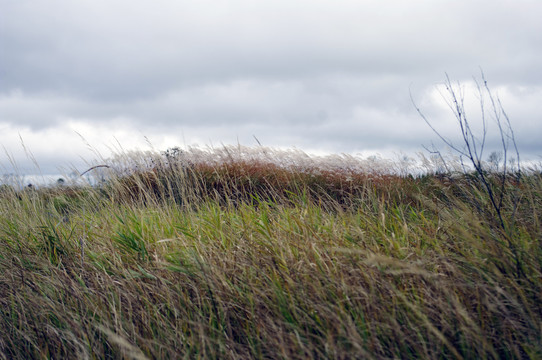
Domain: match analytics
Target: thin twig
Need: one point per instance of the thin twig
(95, 167)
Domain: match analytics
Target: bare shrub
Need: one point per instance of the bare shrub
(501, 175)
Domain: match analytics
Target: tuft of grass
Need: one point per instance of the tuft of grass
(228, 254)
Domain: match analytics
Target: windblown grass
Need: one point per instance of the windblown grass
(244, 254)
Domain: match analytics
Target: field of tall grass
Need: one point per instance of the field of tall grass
(254, 253)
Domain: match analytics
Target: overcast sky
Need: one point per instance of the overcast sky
(320, 76)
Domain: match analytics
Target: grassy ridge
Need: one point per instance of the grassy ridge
(246, 258)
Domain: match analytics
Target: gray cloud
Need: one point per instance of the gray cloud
(133, 49)
(311, 74)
